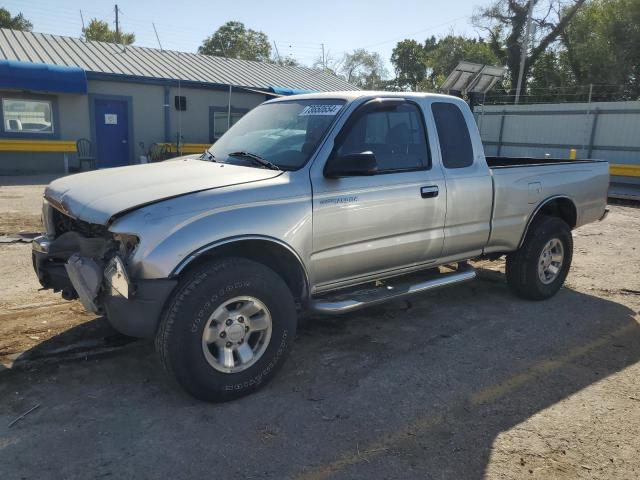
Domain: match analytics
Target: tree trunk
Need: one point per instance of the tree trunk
(518, 22)
(514, 45)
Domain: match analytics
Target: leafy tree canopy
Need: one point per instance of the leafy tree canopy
(424, 67)
(286, 61)
(99, 31)
(14, 23)
(409, 59)
(363, 69)
(234, 40)
(506, 22)
(445, 54)
(550, 79)
(328, 62)
(602, 45)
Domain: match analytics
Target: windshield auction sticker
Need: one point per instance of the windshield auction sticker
(319, 110)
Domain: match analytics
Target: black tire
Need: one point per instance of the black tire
(522, 265)
(200, 293)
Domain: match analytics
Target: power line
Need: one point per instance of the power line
(178, 33)
(147, 33)
(51, 11)
(402, 37)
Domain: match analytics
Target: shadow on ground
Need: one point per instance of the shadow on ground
(414, 389)
(90, 339)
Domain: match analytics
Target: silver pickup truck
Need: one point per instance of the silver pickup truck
(324, 203)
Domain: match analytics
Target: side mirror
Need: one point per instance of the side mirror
(351, 165)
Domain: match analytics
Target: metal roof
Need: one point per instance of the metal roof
(141, 62)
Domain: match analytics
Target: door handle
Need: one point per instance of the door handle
(429, 192)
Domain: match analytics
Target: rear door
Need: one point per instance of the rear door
(469, 183)
(365, 225)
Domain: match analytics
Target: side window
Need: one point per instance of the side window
(453, 133)
(396, 137)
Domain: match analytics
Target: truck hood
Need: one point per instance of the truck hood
(97, 196)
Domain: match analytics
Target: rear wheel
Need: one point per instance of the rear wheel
(227, 329)
(539, 268)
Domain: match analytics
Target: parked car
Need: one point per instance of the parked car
(323, 202)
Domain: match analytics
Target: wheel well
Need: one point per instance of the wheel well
(275, 256)
(562, 208)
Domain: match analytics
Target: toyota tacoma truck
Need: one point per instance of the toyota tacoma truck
(320, 203)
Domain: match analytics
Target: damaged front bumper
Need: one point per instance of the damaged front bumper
(87, 269)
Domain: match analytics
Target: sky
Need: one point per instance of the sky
(298, 28)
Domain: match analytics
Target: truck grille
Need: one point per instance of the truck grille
(64, 223)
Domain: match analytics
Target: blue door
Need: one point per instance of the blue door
(112, 132)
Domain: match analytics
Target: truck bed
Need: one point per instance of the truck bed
(508, 162)
(519, 190)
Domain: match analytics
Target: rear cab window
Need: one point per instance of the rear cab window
(453, 134)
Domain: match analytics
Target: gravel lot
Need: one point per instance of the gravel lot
(21, 202)
(467, 382)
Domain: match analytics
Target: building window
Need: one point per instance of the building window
(180, 102)
(218, 121)
(27, 116)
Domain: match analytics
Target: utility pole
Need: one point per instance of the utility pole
(117, 26)
(157, 37)
(224, 52)
(324, 62)
(277, 52)
(523, 50)
(229, 109)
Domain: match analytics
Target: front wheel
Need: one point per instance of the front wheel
(227, 329)
(539, 268)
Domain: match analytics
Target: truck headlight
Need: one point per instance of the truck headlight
(47, 218)
(127, 244)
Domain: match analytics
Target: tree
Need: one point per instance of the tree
(424, 67)
(410, 63)
(14, 23)
(603, 45)
(286, 61)
(234, 40)
(444, 55)
(99, 31)
(364, 69)
(551, 79)
(506, 22)
(329, 63)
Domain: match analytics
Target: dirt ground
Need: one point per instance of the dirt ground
(468, 382)
(21, 202)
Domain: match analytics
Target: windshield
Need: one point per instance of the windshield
(282, 133)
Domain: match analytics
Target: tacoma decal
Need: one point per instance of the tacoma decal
(339, 200)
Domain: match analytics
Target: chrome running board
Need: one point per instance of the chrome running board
(344, 302)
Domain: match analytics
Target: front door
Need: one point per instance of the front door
(112, 133)
(369, 225)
